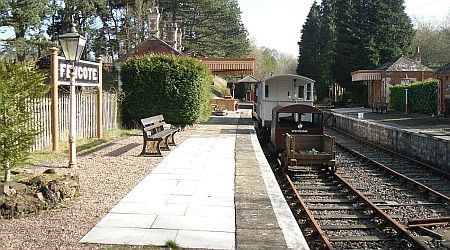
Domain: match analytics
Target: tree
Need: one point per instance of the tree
(432, 39)
(327, 47)
(265, 62)
(391, 29)
(286, 64)
(18, 83)
(25, 17)
(368, 33)
(348, 39)
(212, 28)
(309, 60)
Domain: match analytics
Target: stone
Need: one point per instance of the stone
(40, 196)
(50, 171)
(8, 191)
(36, 181)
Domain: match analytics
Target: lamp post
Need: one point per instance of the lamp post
(232, 88)
(406, 81)
(406, 100)
(72, 45)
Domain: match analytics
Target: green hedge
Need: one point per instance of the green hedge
(422, 97)
(177, 87)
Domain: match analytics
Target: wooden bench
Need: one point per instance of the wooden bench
(155, 134)
(380, 107)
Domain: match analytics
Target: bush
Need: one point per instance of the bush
(18, 83)
(422, 97)
(177, 87)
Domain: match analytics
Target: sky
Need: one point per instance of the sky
(276, 24)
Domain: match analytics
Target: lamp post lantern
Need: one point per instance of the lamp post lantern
(72, 45)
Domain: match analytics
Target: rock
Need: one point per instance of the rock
(29, 196)
(50, 171)
(49, 195)
(8, 191)
(19, 187)
(40, 196)
(36, 181)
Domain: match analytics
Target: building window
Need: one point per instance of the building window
(301, 91)
(266, 90)
(309, 91)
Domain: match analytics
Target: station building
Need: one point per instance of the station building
(399, 70)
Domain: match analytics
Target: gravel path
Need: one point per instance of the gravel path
(104, 181)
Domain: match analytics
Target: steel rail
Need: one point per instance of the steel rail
(439, 171)
(429, 221)
(413, 182)
(401, 231)
(316, 227)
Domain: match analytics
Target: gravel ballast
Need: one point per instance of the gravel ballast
(104, 181)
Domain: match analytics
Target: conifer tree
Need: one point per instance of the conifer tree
(309, 45)
(212, 28)
(327, 45)
(348, 41)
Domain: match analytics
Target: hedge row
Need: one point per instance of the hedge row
(422, 97)
(177, 87)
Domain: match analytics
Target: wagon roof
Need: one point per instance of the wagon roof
(290, 76)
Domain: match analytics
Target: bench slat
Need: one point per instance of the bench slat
(153, 119)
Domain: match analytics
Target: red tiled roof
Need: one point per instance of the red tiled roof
(153, 45)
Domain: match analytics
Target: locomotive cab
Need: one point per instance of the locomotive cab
(294, 119)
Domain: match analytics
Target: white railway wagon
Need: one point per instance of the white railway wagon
(282, 90)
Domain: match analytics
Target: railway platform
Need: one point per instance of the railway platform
(215, 191)
(422, 137)
(430, 125)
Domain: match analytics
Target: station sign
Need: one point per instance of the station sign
(87, 73)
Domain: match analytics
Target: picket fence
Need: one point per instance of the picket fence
(86, 117)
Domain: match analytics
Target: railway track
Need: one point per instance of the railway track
(429, 178)
(366, 206)
(338, 216)
(404, 187)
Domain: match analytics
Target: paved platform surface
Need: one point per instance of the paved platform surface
(417, 123)
(215, 191)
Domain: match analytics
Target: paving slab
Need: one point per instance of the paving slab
(188, 197)
(213, 191)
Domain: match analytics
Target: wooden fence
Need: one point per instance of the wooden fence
(86, 117)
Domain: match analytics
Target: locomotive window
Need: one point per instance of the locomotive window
(286, 120)
(266, 90)
(318, 120)
(306, 121)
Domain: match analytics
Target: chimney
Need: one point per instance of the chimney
(153, 22)
(417, 56)
(172, 32)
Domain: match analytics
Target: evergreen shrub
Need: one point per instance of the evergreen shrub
(422, 97)
(19, 82)
(174, 86)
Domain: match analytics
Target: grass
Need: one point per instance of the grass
(83, 146)
(172, 244)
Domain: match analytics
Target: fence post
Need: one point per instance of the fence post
(54, 82)
(100, 99)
